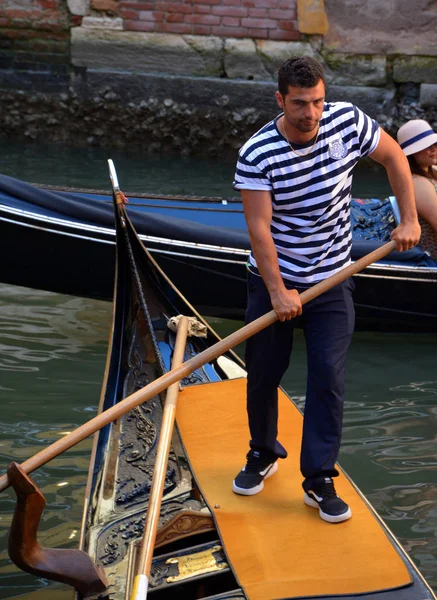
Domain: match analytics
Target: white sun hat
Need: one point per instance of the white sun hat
(416, 135)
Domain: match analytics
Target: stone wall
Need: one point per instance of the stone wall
(35, 42)
(108, 72)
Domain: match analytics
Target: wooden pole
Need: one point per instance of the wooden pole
(163, 382)
(141, 581)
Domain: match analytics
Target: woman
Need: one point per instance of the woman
(419, 142)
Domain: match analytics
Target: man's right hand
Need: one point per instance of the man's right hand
(286, 304)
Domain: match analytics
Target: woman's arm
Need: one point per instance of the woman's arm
(426, 200)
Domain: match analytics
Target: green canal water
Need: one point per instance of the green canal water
(52, 358)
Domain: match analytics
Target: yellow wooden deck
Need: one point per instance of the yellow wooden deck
(278, 546)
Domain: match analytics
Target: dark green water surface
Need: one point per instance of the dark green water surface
(52, 359)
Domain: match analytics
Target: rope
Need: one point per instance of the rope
(195, 327)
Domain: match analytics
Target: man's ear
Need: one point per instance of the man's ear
(279, 99)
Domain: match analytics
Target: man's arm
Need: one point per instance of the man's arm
(258, 212)
(389, 154)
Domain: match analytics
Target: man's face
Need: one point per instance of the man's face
(303, 107)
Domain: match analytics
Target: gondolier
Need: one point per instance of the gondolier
(295, 177)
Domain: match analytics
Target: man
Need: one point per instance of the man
(295, 177)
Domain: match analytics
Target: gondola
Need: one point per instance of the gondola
(210, 544)
(64, 242)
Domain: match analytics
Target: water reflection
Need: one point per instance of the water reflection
(52, 355)
(140, 172)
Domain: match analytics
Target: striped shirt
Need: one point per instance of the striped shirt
(310, 194)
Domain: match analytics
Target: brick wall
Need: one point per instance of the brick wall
(35, 36)
(259, 19)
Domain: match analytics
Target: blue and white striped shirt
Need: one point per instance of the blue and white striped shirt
(310, 193)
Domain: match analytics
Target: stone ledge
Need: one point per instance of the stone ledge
(171, 54)
(146, 52)
(428, 95)
(371, 100)
(364, 70)
(417, 69)
(218, 93)
(200, 92)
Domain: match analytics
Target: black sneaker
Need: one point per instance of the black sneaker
(321, 494)
(250, 480)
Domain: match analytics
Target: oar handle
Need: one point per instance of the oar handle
(139, 589)
(163, 382)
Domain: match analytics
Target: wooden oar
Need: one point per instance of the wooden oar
(141, 581)
(163, 382)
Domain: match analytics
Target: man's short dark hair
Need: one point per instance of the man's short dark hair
(299, 71)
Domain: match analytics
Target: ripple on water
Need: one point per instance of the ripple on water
(37, 326)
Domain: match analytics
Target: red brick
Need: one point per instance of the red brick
(176, 7)
(129, 15)
(231, 2)
(287, 25)
(28, 34)
(261, 23)
(258, 12)
(277, 13)
(202, 19)
(201, 30)
(230, 21)
(138, 6)
(140, 26)
(174, 18)
(48, 4)
(280, 34)
(107, 5)
(31, 20)
(265, 4)
(206, 2)
(230, 11)
(260, 34)
(76, 20)
(19, 14)
(42, 46)
(201, 9)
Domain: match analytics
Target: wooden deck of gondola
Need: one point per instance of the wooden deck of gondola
(277, 546)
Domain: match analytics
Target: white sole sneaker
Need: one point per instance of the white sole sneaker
(258, 488)
(329, 518)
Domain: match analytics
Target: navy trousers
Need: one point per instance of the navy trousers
(328, 323)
